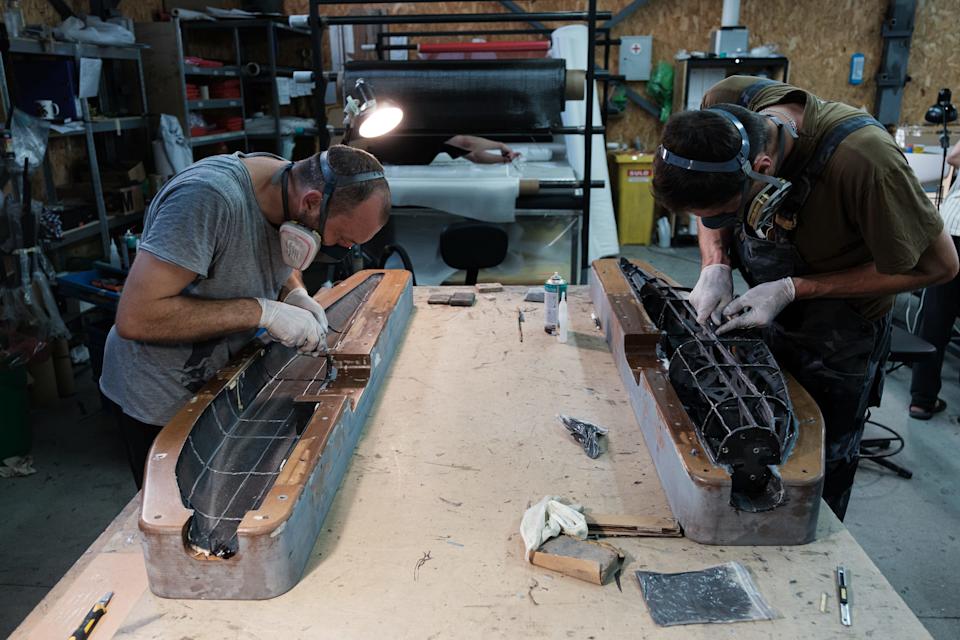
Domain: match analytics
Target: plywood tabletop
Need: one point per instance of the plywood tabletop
(464, 438)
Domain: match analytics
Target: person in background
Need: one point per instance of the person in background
(395, 149)
(941, 303)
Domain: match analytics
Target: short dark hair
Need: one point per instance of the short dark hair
(704, 135)
(346, 161)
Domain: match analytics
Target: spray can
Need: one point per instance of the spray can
(552, 289)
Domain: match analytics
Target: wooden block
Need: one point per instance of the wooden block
(627, 525)
(463, 299)
(594, 562)
(439, 298)
(489, 287)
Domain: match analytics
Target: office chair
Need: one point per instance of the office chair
(905, 348)
(472, 246)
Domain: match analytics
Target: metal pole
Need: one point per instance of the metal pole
(606, 85)
(432, 18)
(588, 138)
(274, 90)
(320, 90)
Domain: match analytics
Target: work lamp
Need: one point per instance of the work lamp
(370, 117)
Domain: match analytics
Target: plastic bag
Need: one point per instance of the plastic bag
(30, 136)
(11, 231)
(178, 152)
(725, 593)
(660, 88)
(56, 328)
(586, 433)
(94, 30)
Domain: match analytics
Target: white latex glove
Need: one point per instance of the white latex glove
(759, 306)
(300, 298)
(713, 292)
(292, 326)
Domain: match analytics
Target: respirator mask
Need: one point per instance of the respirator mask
(761, 211)
(300, 244)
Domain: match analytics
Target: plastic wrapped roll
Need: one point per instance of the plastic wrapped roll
(469, 96)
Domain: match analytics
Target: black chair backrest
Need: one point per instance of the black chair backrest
(473, 246)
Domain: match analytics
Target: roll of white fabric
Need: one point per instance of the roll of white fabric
(570, 43)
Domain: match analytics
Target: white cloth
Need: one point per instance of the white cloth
(570, 43)
(94, 30)
(17, 467)
(950, 210)
(547, 519)
(178, 153)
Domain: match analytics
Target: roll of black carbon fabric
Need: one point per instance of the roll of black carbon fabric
(468, 96)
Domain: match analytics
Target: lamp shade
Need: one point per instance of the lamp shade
(381, 119)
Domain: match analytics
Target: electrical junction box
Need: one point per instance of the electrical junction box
(635, 57)
(727, 41)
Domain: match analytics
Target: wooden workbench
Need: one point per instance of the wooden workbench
(463, 440)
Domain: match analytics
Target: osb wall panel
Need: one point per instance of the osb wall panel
(933, 57)
(819, 44)
(42, 12)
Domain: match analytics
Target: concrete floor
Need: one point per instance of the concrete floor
(908, 527)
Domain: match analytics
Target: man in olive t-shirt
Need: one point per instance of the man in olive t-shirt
(853, 230)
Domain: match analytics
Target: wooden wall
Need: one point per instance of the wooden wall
(818, 36)
(42, 12)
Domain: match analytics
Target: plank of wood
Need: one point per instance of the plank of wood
(630, 525)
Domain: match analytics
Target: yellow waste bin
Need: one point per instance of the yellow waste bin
(634, 199)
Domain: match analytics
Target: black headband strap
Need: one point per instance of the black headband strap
(283, 177)
(332, 180)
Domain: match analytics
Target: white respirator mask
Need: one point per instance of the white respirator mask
(300, 244)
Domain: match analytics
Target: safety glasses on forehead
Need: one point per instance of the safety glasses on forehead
(299, 244)
(762, 209)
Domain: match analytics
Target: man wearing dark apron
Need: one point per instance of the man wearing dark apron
(816, 205)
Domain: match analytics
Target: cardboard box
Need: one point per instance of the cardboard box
(122, 175)
(123, 200)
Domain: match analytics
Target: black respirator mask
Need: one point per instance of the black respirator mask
(299, 244)
(761, 211)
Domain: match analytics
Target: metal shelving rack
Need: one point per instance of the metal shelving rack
(91, 127)
(169, 43)
(316, 23)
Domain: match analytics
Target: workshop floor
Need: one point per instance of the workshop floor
(908, 527)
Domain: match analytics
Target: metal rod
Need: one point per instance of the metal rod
(421, 133)
(470, 32)
(517, 9)
(274, 90)
(606, 85)
(587, 137)
(320, 91)
(569, 184)
(574, 16)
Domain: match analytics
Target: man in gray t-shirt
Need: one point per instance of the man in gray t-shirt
(212, 267)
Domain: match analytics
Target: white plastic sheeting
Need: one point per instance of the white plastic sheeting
(483, 192)
(486, 192)
(571, 44)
